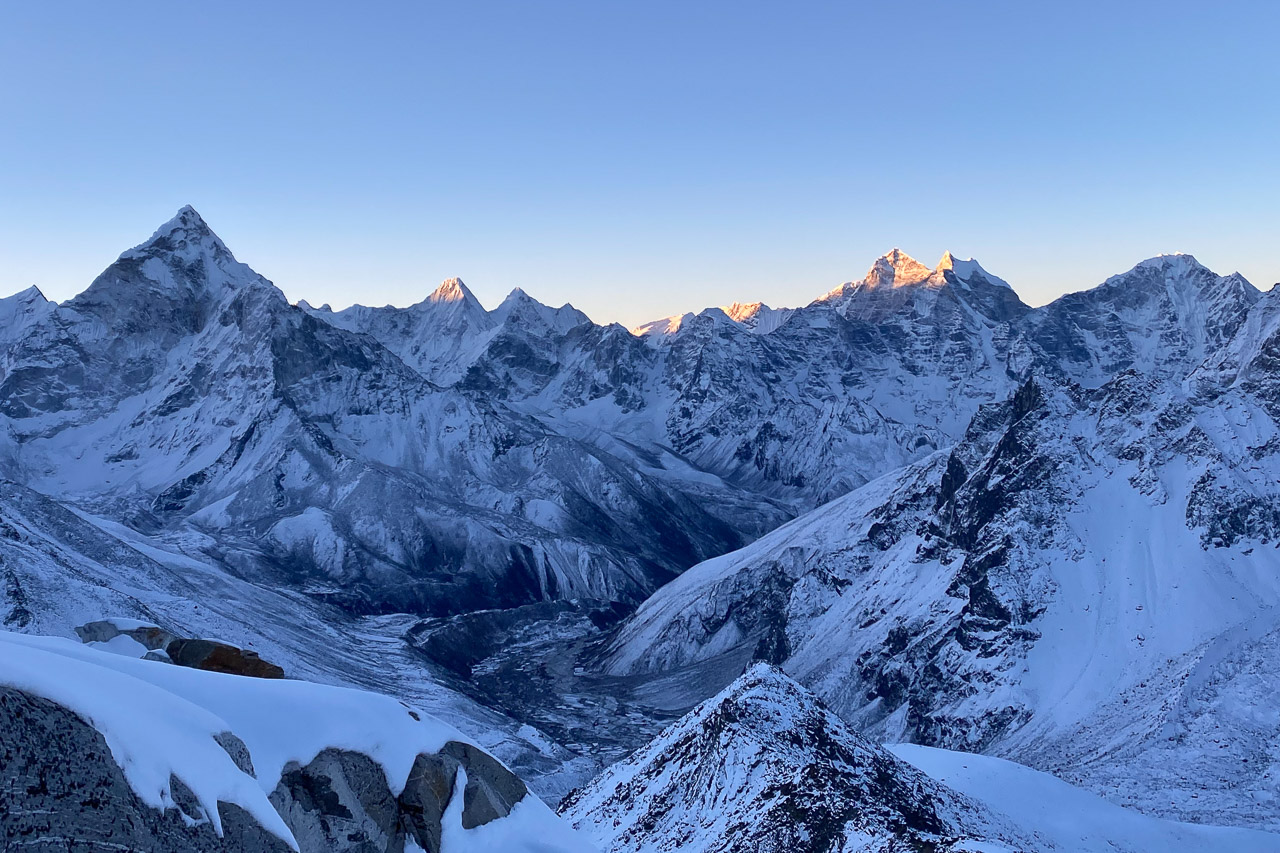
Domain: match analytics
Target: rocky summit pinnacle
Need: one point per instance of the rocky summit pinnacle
(896, 269)
(186, 234)
(451, 290)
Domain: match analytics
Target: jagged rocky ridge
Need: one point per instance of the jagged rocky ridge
(181, 391)
(762, 766)
(1086, 583)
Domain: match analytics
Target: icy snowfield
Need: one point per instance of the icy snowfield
(1067, 817)
(1046, 535)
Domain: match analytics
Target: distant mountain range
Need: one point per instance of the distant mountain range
(1046, 534)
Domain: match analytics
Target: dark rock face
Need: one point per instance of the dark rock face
(48, 803)
(221, 657)
(491, 790)
(425, 797)
(339, 801)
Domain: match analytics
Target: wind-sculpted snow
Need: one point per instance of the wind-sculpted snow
(227, 739)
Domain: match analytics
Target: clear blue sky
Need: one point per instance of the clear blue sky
(639, 159)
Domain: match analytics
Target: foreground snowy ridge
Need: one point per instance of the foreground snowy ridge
(763, 766)
(198, 742)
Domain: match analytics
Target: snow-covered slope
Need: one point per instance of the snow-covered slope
(437, 337)
(762, 766)
(237, 740)
(60, 569)
(1069, 818)
(1044, 533)
(796, 405)
(1163, 317)
(1087, 582)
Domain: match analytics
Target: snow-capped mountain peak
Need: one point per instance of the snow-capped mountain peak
(740, 311)
(537, 317)
(451, 290)
(658, 329)
(23, 303)
(185, 235)
(966, 270)
(20, 310)
(896, 269)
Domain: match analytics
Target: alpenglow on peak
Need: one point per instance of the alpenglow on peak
(451, 290)
(896, 269)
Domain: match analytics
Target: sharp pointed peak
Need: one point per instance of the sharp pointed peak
(762, 674)
(451, 290)
(897, 257)
(184, 231)
(896, 268)
(186, 219)
(516, 296)
(28, 295)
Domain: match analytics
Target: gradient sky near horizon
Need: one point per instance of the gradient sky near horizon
(639, 159)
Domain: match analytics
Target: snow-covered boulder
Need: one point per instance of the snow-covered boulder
(150, 637)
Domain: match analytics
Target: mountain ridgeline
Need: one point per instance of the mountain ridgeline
(1047, 534)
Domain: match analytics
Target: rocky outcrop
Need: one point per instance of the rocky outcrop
(48, 803)
(164, 645)
(339, 801)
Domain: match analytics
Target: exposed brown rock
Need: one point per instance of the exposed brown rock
(221, 657)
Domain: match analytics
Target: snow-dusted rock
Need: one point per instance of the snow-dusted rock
(762, 766)
(249, 764)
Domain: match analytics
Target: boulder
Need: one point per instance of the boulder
(213, 656)
(152, 637)
(492, 790)
(339, 801)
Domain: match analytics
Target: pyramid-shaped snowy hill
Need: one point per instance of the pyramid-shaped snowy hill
(764, 766)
